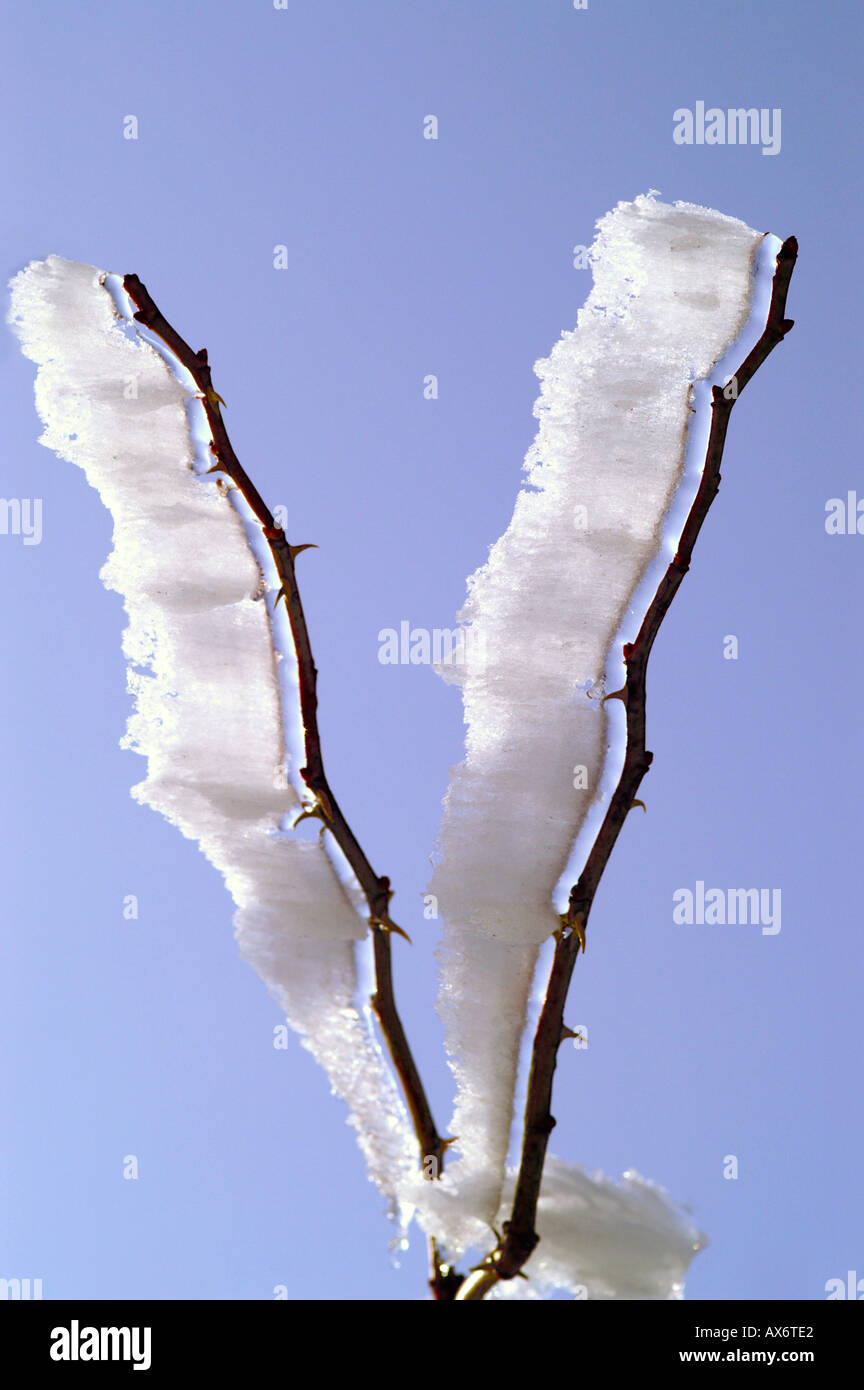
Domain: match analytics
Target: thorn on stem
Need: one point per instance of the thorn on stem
(579, 929)
(569, 1033)
(309, 813)
(385, 924)
(571, 926)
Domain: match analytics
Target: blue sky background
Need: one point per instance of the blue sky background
(303, 127)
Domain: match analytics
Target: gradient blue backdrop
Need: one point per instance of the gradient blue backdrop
(303, 127)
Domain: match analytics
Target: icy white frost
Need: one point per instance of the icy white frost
(203, 673)
(672, 291)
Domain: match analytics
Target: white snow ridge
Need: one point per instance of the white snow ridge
(203, 672)
(672, 292)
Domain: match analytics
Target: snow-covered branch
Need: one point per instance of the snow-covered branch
(520, 1235)
(205, 669)
(323, 806)
(219, 683)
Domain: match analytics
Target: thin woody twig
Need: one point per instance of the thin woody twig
(519, 1235)
(444, 1280)
(325, 807)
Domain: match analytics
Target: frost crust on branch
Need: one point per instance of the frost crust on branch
(673, 288)
(202, 670)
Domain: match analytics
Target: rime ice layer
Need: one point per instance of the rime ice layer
(203, 672)
(606, 1240)
(672, 291)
